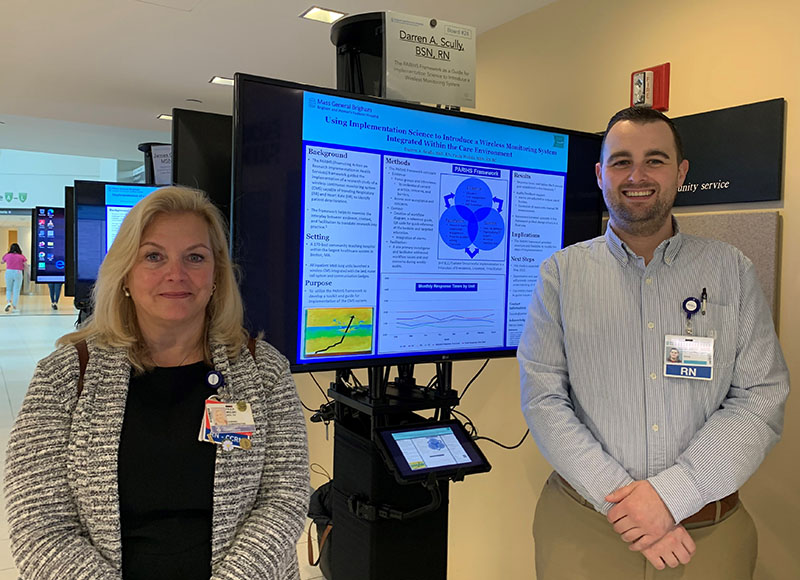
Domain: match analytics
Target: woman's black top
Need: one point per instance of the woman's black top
(166, 476)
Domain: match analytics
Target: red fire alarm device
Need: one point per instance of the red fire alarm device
(650, 87)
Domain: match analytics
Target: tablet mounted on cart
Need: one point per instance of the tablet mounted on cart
(442, 450)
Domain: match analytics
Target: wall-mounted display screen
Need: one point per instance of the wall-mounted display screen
(48, 262)
(375, 232)
(99, 210)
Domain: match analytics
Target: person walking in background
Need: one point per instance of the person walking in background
(55, 293)
(15, 263)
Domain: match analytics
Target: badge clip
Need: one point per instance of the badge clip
(215, 380)
(690, 306)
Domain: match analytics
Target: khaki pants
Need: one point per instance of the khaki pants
(574, 542)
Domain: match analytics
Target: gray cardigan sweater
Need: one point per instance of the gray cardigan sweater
(61, 470)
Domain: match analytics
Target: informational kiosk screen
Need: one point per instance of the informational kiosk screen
(373, 232)
(49, 245)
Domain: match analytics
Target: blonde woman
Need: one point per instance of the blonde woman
(109, 479)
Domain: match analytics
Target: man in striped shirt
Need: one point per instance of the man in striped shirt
(644, 456)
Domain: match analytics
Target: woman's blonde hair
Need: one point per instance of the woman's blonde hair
(114, 323)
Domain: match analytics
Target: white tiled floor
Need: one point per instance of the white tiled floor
(27, 335)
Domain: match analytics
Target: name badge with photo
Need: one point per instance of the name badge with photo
(689, 357)
(230, 425)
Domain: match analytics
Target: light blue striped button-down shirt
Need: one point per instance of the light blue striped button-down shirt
(592, 364)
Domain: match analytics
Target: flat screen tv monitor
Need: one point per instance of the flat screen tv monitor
(372, 232)
(201, 154)
(99, 208)
(48, 262)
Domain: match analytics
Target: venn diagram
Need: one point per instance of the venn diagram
(471, 222)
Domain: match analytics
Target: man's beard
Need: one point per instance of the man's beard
(641, 222)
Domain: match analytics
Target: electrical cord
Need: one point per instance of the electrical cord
(327, 400)
(319, 470)
(472, 431)
(469, 384)
(433, 383)
(321, 390)
(527, 432)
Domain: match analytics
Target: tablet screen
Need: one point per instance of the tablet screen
(443, 448)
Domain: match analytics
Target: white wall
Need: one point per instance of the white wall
(41, 177)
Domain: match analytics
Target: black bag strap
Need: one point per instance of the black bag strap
(83, 359)
(251, 346)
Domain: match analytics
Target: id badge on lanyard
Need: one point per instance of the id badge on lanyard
(229, 425)
(689, 356)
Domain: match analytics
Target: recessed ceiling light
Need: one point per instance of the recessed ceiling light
(164, 117)
(221, 81)
(322, 15)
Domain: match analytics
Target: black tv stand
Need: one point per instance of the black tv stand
(384, 530)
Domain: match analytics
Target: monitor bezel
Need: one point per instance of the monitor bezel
(69, 240)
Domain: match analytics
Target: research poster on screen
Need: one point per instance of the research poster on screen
(417, 234)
